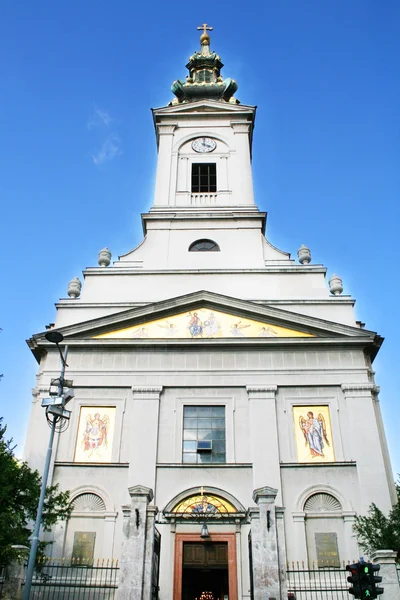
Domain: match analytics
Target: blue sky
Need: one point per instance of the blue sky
(78, 153)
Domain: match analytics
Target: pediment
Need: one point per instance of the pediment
(202, 106)
(205, 317)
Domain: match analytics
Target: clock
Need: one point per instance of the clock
(204, 144)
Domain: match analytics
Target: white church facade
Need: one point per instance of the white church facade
(226, 420)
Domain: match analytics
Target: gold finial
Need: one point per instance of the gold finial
(205, 38)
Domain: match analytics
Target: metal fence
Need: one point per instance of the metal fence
(317, 583)
(71, 580)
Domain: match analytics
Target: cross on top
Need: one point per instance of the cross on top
(205, 28)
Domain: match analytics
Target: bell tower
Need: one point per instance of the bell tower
(204, 141)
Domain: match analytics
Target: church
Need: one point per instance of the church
(226, 420)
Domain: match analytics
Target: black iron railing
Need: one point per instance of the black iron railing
(59, 579)
(316, 583)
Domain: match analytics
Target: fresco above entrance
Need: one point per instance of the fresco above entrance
(204, 323)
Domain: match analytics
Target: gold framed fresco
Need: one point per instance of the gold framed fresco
(95, 434)
(313, 433)
(203, 323)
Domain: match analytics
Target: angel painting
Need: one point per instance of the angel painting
(267, 332)
(171, 329)
(95, 433)
(237, 327)
(142, 332)
(314, 431)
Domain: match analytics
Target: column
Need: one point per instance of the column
(144, 435)
(280, 530)
(165, 139)
(149, 551)
(243, 183)
(264, 436)
(388, 572)
(264, 543)
(134, 557)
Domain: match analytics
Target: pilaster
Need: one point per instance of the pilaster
(266, 576)
(144, 434)
(264, 435)
(165, 136)
(243, 188)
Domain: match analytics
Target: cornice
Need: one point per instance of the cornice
(115, 271)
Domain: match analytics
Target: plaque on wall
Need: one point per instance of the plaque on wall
(327, 550)
(83, 549)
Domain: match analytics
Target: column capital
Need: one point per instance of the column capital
(265, 494)
(253, 512)
(358, 389)
(240, 126)
(384, 556)
(261, 392)
(147, 393)
(141, 491)
(166, 128)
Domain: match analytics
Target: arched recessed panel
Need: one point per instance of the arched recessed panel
(88, 503)
(204, 246)
(322, 503)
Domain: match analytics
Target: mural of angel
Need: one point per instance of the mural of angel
(267, 332)
(211, 325)
(195, 325)
(314, 431)
(237, 327)
(171, 330)
(95, 434)
(140, 333)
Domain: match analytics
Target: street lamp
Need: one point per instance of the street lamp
(55, 412)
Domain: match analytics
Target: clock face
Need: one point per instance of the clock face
(204, 144)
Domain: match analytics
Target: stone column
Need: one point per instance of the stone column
(350, 541)
(144, 435)
(149, 550)
(109, 534)
(388, 572)
(264, 543)
(280, 531)
(15, 575)
(264, 446)
(134, 557)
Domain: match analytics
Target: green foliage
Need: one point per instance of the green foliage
(19, 497)
(378, 531)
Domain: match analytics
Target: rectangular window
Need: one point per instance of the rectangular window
(204, 424)
(204, 177)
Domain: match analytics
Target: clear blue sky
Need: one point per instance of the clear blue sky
(78, 154)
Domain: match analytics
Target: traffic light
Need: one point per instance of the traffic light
(355, 590)
(364, 580)
(368, 576)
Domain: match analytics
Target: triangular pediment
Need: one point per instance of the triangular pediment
(203, 322)
(202, 106)
(208, 318)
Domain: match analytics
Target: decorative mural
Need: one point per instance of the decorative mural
(203, 504)
(312, 425)
(204, 323)
(95, 434)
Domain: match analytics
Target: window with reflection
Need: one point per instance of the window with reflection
(204, 434)
(204, 246)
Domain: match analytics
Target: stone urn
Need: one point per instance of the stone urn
(74, 288)
(304, 255)
(104, 257)
(335, 285)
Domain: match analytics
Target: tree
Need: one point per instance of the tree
(19, 497)
(378, 531)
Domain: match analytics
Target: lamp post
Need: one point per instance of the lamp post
(54, 412)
